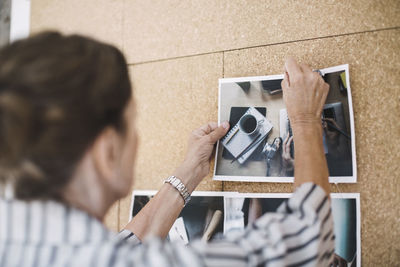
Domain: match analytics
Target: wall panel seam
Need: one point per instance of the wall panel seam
(262, 45)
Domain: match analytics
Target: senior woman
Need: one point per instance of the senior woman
(67, 150)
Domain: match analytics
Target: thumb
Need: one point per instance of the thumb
(219, 132)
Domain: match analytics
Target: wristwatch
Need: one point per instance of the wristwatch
(177, 183)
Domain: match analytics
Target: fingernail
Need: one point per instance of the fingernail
(225, 124)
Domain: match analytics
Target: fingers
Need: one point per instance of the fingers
(335, 124)
(328, 119)
(292, 68)
(206, 129)
(213, 125)
(287, 145)
(286, 139)
(325, 90)
(289, 142)
(218, 132)
(212, 130)
(285, 82)
(285, 152)
(323, 95)
(305, 68)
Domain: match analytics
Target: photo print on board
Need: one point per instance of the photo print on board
(212, 215)
(259, 146)
(202, 218)
(244, 209)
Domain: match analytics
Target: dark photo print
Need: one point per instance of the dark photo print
(242, 211)
(202, 218)
(211, 215)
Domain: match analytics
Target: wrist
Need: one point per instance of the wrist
(187, 173)
(301, 127)
(304, 119)
(178, 185)
(307, 132)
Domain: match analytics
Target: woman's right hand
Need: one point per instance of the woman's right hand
(304, 93)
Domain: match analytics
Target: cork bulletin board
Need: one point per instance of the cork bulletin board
(375, 100)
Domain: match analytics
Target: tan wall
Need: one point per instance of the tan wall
(177, 50)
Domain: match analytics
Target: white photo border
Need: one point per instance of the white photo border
(275, 179)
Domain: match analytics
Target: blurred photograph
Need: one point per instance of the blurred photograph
(211, 215)
(202, 218)
(243, 210)
(259, 146)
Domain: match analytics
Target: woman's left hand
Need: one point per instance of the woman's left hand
(197, 161)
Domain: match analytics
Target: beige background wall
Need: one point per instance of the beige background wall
(177, 50)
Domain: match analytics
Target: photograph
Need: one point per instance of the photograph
(212, 215)
(202, 218)
(243, 209)
(259, 146)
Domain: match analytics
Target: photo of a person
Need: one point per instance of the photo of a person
(272, 151)
(266, 153)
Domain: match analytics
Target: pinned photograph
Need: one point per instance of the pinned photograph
(212, 215)
(259, 146)
(202, 218)
(244, 209)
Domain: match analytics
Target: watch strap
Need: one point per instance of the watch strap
(177, 183)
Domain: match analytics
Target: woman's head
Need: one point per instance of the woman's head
(58, 94)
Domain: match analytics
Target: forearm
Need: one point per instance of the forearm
(158, 216)
(310, 161)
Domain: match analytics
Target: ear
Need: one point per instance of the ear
(106, 152)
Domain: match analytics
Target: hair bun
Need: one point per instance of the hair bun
(15, 127)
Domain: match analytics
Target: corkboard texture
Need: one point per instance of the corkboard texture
(177, 50)
(165, 29)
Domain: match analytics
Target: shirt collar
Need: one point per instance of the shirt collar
(48, 222)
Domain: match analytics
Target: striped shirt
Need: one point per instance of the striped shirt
(39, 233)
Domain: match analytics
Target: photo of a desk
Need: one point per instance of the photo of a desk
(232, 95)
(263, 93)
